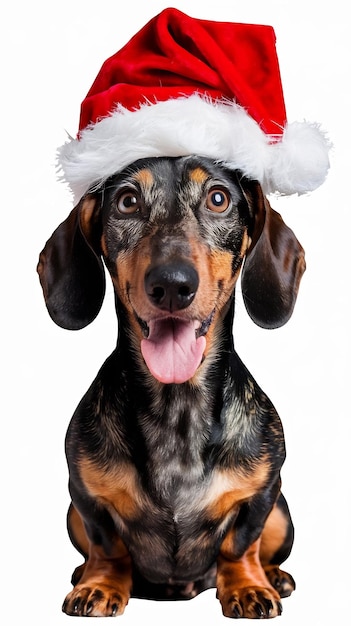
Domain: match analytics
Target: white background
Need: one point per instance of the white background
(51, 53)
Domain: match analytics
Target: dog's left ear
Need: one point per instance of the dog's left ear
(70, 268)
(274, 264)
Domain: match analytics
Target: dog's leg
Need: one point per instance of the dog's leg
(242, 586)
(103, 583)
(104, 587)
(276, 543)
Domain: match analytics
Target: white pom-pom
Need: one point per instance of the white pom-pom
(299, 162)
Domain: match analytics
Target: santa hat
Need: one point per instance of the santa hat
(185, 86)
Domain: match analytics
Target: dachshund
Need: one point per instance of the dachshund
(174, 452)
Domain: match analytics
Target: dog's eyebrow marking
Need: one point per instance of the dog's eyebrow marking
(198, 175)
(144, 178)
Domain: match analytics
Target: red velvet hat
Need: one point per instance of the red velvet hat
(186, 86)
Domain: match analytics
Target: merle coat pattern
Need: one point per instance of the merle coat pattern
(174, 452)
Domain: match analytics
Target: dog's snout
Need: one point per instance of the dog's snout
(172, 287)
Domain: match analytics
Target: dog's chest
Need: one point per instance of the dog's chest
(175, 442)
(176, 534)
(173, 510)
(183, 505)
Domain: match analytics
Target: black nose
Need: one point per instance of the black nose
(172, 287)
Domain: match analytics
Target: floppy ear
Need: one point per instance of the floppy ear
(70, 268)
(273, 266)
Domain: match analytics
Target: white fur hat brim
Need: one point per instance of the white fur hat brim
(295, 160)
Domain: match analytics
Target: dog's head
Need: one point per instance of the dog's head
(173, 234)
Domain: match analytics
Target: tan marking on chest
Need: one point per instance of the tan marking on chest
(231, 488)
(116, 487)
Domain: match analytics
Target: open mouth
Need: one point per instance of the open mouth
(173, 347)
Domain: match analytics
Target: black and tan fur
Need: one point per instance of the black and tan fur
(175, 487)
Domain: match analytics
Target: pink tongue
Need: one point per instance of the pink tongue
(171, 351)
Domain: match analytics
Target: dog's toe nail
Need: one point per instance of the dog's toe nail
(114, 609)
(76, 606)
(259, 610)
(89, 608)
(236, 611)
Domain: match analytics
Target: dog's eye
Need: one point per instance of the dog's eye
(128, 203)
(217, 200)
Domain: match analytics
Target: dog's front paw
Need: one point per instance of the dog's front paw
(251, 602)
(95, 601)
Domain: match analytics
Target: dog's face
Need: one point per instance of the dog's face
(175, 232)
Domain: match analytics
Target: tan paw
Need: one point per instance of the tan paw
(95, 601)
(251, 602)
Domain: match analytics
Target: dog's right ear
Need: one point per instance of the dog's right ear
(70, 267)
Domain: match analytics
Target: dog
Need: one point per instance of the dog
(175, 452)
